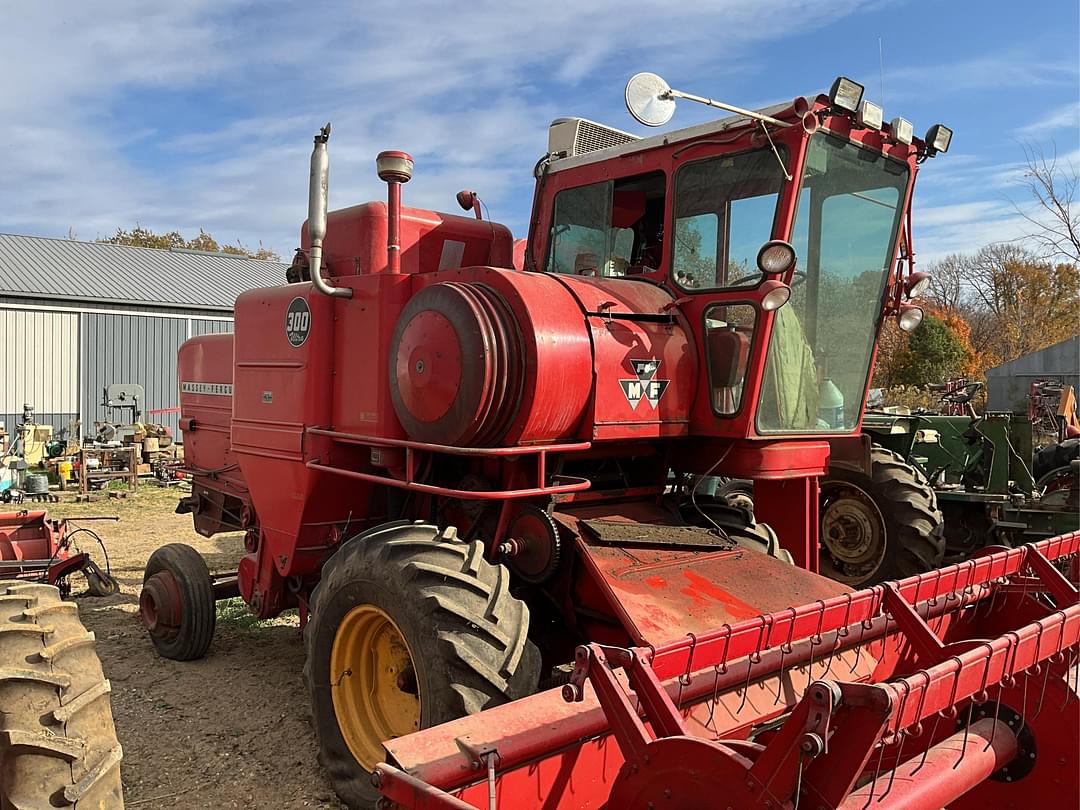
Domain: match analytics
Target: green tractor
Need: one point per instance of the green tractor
(990, 486)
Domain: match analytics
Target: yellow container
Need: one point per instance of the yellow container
(63, 469)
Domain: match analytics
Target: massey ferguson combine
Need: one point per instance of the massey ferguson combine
(474, 467)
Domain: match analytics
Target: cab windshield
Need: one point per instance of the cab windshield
(822, 341)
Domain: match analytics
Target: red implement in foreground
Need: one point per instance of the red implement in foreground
(947, 689)
(35, 547)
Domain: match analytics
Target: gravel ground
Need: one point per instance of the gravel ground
(228, 731)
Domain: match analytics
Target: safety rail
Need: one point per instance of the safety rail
(410, 465)
(842, 744)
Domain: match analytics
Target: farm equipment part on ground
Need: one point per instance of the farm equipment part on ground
(35, 548)
(463, 458)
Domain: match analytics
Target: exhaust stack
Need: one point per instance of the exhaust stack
(318, 194)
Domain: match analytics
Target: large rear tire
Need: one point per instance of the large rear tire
(58, 746)
(409, 628)
(885, 525)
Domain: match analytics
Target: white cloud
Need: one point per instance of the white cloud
(1067, 116)
(468, 88)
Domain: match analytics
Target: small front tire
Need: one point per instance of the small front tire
(177, 603)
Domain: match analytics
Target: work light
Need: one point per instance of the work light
(776, 294)
(901, 130)
(909, 317)
(870, 115)
(938, 138)
(776, 257)
(917, 284)
(845, 94)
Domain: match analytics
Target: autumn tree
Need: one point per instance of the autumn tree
(932, 354)
(144, 237)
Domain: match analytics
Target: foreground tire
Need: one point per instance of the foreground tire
(408, 629)
(885, 525)
(177, 602)
(58, 746)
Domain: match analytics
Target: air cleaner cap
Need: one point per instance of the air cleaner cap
(394, 166)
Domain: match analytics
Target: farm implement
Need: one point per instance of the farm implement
(947, 689)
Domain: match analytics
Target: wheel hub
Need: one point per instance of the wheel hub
(853, 533)
(160, 606)
(373, 683)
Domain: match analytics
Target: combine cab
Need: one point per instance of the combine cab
(476, 467)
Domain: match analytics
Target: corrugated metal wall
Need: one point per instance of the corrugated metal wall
(38, 365)
(135, 349)
(59, 361)
(1008, 385)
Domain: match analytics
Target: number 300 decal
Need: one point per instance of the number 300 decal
(298, 322)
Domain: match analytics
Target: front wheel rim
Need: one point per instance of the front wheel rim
(373, 683)
(853, 534)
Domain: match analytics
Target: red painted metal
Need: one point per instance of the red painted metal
(34, 546)
(459, 348)
(948, 770)
(28, 535)
(890, 730)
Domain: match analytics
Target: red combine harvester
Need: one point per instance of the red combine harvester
(477, 468)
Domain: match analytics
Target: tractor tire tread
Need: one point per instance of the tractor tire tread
(58, 745)
(908, 504)
(479, 631)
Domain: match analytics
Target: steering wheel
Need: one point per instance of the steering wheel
(964, 395)
(798, 277)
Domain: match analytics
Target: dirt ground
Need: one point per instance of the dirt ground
(228, 731)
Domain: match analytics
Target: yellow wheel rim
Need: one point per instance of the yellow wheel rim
(373, 683)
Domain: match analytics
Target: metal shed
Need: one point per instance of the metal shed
(77, 316)
(1008, 385)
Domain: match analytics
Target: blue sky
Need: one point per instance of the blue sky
(200, 113)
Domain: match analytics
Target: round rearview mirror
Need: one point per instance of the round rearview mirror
(648, 99)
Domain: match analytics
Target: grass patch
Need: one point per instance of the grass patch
(234, 614)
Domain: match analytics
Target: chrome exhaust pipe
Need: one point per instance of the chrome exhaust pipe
(318, 195)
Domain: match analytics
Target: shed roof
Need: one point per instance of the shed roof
(40, 267)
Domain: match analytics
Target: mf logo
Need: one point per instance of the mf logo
(646, 386)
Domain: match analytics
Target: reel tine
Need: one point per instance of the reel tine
(751, 659)
(684, 679)
(901, 735)
(785, 648)
(859, 646)
(715, 697)
(1042, 692)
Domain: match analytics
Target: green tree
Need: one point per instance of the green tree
(933, 353)
(144, 237)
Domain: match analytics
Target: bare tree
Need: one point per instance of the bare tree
(1055, 218)
(949, 282)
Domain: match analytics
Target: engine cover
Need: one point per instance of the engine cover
(485, 357)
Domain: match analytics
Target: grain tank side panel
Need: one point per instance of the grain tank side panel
(362, 330)
(284, 371)
(205, 371)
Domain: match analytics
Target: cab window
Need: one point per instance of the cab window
(724, 212)
(612, 228)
